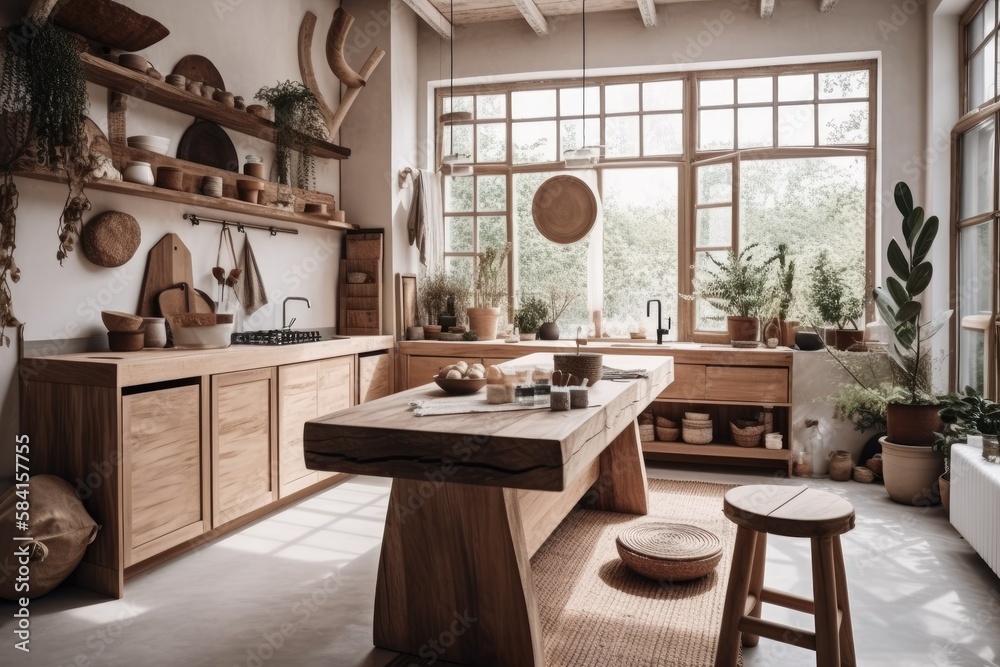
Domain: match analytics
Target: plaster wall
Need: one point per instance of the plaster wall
(252, 43)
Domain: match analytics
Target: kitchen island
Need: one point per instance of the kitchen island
(475, 495)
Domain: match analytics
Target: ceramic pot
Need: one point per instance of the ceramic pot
(527, 336)
(911, 473)
(139, 172)
(845, 338)
(432, 331)
(170, 178)
(912, 424)
(248, 190)
(254, 166)
(548, 331)
(484, 322)
(841, 466)
(155, 332)
(808, 341)
(742, 328)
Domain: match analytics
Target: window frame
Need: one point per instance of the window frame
(689, 157)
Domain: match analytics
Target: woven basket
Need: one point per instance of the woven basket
(645, 418)
(669, 551)
(646, 433)
(667, 434)
(696, 432)
(663, 422)
(747, 436)
(863, 475)
(110, 239)
(587, 366)
(364, 246)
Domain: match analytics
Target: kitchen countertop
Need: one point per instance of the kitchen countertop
(124, 369)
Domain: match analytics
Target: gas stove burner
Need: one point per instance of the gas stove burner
(275, 337)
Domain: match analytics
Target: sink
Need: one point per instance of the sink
(672, 345)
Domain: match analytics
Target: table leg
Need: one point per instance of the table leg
(454, 578)
(622, 485)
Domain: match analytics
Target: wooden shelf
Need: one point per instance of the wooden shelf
(682, 451)
(130, 82)
(191, 199)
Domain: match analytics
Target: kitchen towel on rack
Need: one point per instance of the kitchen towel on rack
(425, 220)
(254, 294)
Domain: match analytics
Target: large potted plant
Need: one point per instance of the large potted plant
(837, 301)
(489, 291)
(738, 286)
(910, 465)
(530, 315)
(965, 414)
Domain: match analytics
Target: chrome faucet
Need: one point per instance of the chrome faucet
(285, 303)
(660, 331)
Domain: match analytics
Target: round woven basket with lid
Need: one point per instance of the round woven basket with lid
(110, 239)
(671, 551)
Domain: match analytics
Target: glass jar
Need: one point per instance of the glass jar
(254, 166)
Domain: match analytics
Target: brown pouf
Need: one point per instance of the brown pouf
(110, 239)
(669, 551)
(60, 529)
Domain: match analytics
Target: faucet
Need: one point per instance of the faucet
(285, 303)
(660, 331)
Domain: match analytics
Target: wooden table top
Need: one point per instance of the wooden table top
(531, 449)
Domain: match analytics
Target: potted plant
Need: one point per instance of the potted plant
(738, 287)
(489, 291)
(783, 283)
(836, 301)
(559, 300)
(530, 315)
(433, 296)
(298, 122)
(910, 466)
(965, 414)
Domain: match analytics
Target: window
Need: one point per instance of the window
(980, 71)
(692, 164)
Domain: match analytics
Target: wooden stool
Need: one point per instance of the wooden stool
(793, 511)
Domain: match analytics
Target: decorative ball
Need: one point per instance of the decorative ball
(110, 239)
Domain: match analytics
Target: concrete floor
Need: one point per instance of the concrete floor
(297, 589)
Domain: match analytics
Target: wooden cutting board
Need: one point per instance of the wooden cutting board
(168, 263)
(183, 298)
(200, 68)
(208, 144)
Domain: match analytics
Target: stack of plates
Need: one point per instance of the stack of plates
(150, 143)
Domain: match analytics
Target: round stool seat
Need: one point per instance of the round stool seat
(673, 551)
(792, 511)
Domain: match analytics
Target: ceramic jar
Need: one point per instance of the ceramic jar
(155, 332)
(841, 466)
(139, 172)
(254, 166)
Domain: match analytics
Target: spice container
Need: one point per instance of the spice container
(254, 166)
(579, 397)
(524, 394)
(559, 399)
(496, 394)
(772, 441)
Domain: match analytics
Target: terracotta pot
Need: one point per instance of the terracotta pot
(742, 328)
(841, 466)
(912, 424)
(911, 473)
(248, 190)
(527, 336)
(432, 331)
(484, 322)
(845, 338)
(548, 331)
(944, 484)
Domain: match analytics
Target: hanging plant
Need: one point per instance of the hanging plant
(298, 123)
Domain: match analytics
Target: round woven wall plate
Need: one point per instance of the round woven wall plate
(564, 209)
(110, 239)
(672, 551)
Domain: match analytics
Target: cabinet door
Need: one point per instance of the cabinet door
(335, 391)
(688, 384)
(244, 443)
(374, 377)
(754, 385)
(165, 503)
(298, 402)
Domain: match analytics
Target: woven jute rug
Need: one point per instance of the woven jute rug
(595, 611)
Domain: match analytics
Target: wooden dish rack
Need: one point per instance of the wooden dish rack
(361, 303)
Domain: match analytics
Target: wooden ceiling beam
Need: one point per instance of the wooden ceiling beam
(765, 8)
(647, 8)
(431, 16)
(826, 5)
(529, 10)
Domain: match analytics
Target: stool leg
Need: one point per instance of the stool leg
(756, 583)
(847, 655)
(736, 598)
(825, 599)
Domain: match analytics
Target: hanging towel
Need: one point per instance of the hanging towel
(424, 225)
(253, 293)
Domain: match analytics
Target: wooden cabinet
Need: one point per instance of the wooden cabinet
(307, 391)
(374, 377)
(163, 466)
(244, 443)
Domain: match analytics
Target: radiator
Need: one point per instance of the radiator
(975, 497)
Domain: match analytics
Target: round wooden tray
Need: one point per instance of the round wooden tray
(670, 551)
(564, 209)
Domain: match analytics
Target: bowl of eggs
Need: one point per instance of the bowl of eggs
(462, 378)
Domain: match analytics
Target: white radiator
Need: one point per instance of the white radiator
(975, 497)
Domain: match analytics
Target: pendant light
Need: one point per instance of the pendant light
(454, 164)
(585, 156)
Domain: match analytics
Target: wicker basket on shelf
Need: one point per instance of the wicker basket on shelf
(748, 434)
(696, 432)
(666, 430)
(646, 433)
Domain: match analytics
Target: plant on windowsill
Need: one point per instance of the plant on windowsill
(784, 281)
(530, 315)
(913, 419)
(738, 286)
(965, 414)
(489, 291)
(559, 300)
(837, 300)
(433, 297)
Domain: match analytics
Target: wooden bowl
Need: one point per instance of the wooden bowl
(460, 387)
(126, 341)
(118, 321)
